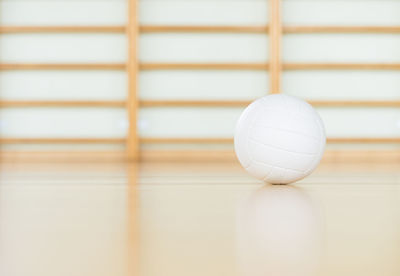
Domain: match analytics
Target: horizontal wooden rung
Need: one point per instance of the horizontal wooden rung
(5, 104)
(341, 66)
(176, 140)
(62, 29)
(143, 66)
(203, 66)
(364, 140)
(340, 29)
(352, 103)
(62, 140)
(199, 66)
(200, 29)
(339, 140)
(62, 66)
(193, 103)
(265, 29)
(243, 103)
(186, 103)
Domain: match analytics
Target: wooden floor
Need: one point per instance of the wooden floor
(197, 219)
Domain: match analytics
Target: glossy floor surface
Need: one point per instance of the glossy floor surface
(197, 219)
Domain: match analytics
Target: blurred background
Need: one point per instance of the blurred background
(192, 68)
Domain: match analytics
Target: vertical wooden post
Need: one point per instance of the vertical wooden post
(132, 32)
(275, 36)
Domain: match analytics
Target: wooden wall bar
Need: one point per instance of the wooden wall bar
(187, 103)
(62, 29)
(204, 66)
(181, 140)
(11, 104)
(337, 140)
(62, 66)
(242, 103)
(341, 66)
(275, 38)
(201, 29)
(132, 66)
(46, 140)
(132, 105)
(341, 29)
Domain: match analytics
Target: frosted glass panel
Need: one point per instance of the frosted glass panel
(341, 48)
(188, 122)
(63, 85)
(203, 48)
(62, 122)
(368, 122)
(214, 122)
(204, 85)
(50, 48)
(61, 12)
(347, 85)
(341, 12)
(200, 12)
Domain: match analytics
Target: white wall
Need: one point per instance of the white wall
(192, 84)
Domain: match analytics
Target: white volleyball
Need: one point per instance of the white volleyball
(279, 139)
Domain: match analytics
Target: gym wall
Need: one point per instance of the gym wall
(379, 118)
